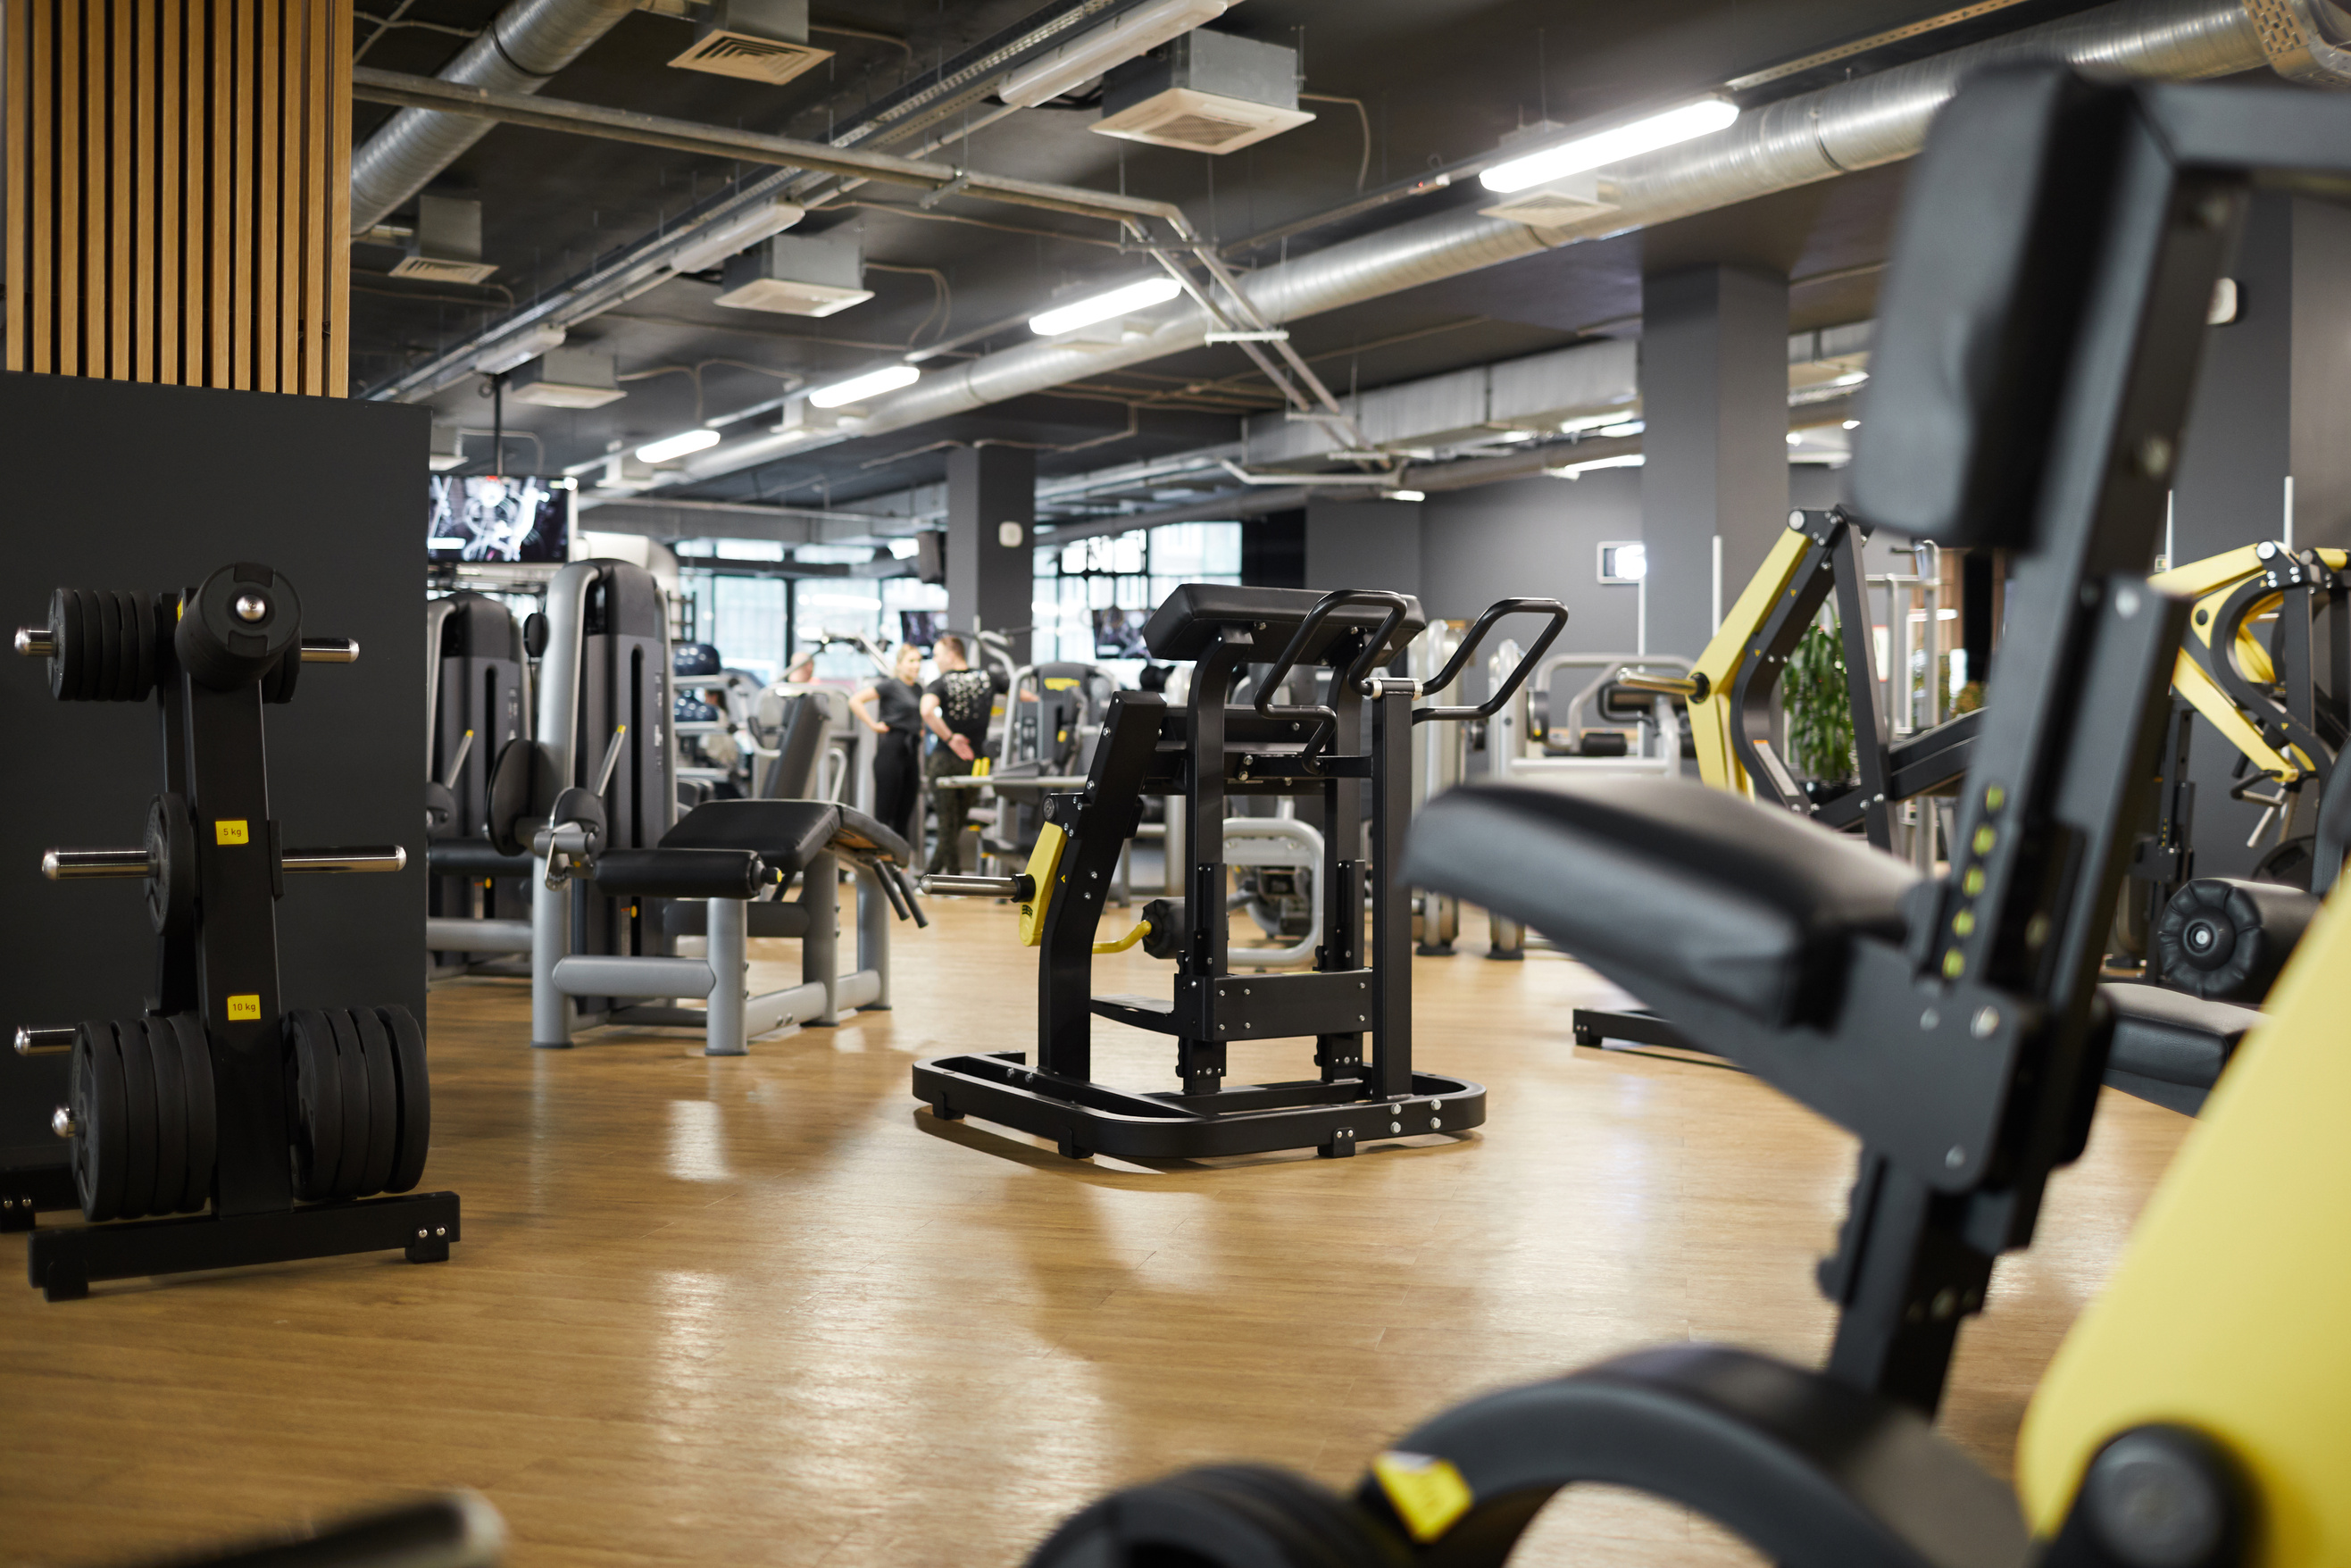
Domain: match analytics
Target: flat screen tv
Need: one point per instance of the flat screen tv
(920, 627)
(485, 518)
(1118, 633)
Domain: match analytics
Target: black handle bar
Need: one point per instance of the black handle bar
(1468, 649)
(1326, 719)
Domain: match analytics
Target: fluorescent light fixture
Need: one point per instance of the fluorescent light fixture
(1102, 307)
(1795, 438)
(1624, 561)
(1130, 33)
(1404, 495)
(1684, 122)
(1575, 470)
(905, 548)
(678, 446)
(1851, 379)
(1630, 427)
(1853, 424)
(889, 378)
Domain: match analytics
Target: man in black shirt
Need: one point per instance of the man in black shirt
(956, 708)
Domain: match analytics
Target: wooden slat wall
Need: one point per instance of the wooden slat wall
(178, 196)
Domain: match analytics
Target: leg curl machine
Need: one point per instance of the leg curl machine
(2193, 1417)
(1200, 755)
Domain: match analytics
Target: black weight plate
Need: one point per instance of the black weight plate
(97, 1148)
(383, 1099)
(64, 643)
(316, 1101)
(357, 1104)
(415, 1098)
(109, 646)
(139, 1100)
(93, 644)
(139, 622)
(170, 1115)
(172, 851)
(203, 1132)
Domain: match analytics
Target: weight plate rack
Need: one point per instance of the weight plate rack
(217, 1130)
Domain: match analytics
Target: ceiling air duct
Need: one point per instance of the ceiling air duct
(1090, 54)
(797, 275)
(1205, 92)
(759, 40)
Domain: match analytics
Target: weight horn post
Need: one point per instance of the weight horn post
(31, 1041)
(976, 886)
(85, 865)
(35, 642)
(325, 650)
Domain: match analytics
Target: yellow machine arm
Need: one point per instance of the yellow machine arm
(2210, 582)
(2226, 1315)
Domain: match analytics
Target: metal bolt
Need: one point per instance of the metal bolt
(1985, 1024)
(62, 1122)
(1954, 1157)
(1944, 1304)
(2153, 455)
(420, 1235)
(2126, 602)
(440, 1231)
(1395, 1127)
(250, 608)
(1930, 1019)
(1436, 1124)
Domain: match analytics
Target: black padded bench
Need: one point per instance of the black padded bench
(1676, 891)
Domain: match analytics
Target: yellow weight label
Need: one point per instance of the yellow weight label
(245, 1009)
(1427, 1493)
(231, 831)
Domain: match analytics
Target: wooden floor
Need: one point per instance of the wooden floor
(767, 1311)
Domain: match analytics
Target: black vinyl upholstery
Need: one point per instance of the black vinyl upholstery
(1668, 887)
(693, 858)
(1188, 620)
(679, 874)
(2170, 1047)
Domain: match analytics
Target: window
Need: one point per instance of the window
(1131, 571)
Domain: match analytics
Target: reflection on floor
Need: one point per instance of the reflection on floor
(767, 1310)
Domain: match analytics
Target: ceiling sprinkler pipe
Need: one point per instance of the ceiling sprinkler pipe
(1852, 125)
(527, 42)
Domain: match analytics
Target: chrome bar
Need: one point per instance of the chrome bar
(34, 642)
(330, 650)
(31, 1041)
(972, 886)
(371, 857)
(77, 866)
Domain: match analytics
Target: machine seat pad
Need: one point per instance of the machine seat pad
(680, 873)
(2174, 1038)
(1194, 614)
(784, 833)
(1668, 887)
(867, 839)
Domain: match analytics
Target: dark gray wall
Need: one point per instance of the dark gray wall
(1714, 398)
(1363, 544)
(114, 484)
(1534, 538)
(989, 582)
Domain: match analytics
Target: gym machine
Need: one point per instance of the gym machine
(280, 1123)
(2191, 1419)
(478, 701)
(1200, 755)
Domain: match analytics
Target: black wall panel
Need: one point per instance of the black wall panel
(124, 485)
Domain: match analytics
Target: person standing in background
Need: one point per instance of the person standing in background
(898, 748)
(955, 709)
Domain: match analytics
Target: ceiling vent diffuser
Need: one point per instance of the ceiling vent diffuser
(1205, 92)
(447, 245)
(759, 40)
(797, 276)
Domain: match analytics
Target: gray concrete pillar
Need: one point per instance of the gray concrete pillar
(1714, 400)
(991, 518)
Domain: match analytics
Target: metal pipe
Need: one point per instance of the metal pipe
(373, 858)
(330, 650)
(525, 44)
(973, 886)
(1852, 125)
(79, 865)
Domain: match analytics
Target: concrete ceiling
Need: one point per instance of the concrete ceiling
(1440, 81)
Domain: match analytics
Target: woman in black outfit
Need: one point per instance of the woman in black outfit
(898, 750)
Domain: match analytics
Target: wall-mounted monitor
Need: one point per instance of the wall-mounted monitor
(920, 627)
(488, 518)
(1118, 633)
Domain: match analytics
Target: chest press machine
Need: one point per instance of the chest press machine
(1200, 755)
(2193, 1418)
